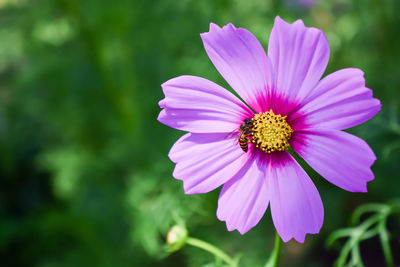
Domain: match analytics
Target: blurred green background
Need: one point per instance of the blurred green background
(84, 175)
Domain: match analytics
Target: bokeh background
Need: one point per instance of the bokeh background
(84, 175)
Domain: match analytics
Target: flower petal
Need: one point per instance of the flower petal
(206, 161)
(299, 56)
(242, 61)
(339, 101)
(198, 105)
(244, 199)
(296, 206)
(341, 158)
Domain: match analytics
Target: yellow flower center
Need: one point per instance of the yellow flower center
(270, 132)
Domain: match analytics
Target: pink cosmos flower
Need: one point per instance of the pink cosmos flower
(287, 105)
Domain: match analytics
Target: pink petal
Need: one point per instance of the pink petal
(339, 101)
(244, 199)
(341, 158)
(206, 161)
(198, 105)
(241, 60)
(296, 206)
(299, 56)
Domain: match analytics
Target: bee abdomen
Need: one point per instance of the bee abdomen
(244, 144)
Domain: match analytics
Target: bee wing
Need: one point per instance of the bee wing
(234, 133)
(231, 134)
(236, 141)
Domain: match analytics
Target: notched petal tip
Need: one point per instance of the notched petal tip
(232, 227)
(215, 29)
(242, 232)
(279, 20)
(241, 60)
(212, 27)
(296, 206)
(377, 103)
(339, 101)
(361, 188)
(229, 26)
(174, 153)
(299, 55)
(365, 189)
(161, 115)
(174, 81)
(300, 22)
(357, 71)
(301, 237)
(341, 158)
(189, 190)
(244, 198)
(167, 83)
(162, 103)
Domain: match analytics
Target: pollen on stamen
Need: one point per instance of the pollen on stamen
(270, 132)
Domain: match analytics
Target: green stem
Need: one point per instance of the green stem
(276, 253)
(383, 235)
(212, 249)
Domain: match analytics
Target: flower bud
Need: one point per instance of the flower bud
(176, 238)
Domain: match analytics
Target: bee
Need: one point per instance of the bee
(244, 133)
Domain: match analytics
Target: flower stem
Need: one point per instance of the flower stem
(212, 249)
(383, 235)
(276, 253)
